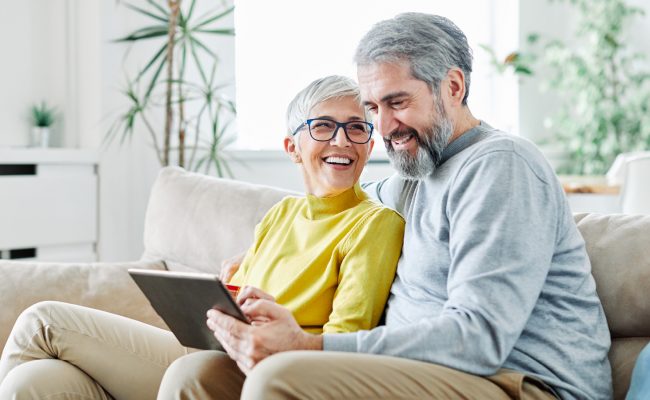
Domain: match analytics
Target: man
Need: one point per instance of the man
(493, 296)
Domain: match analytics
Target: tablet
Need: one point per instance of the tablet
(182, 299)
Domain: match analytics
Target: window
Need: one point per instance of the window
(277, 42)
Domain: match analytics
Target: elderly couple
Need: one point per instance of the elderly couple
(489, 296)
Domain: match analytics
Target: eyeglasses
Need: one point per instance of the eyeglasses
(324, 130)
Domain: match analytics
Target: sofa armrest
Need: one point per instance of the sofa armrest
(105, 286)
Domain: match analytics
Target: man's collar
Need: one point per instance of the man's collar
(474, 135)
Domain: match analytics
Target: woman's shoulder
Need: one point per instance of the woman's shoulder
(288, 202)
(286, 205)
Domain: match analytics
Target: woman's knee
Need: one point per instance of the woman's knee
(43, 378)
(39, 310)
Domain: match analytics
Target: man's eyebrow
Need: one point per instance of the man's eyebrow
(387, 98)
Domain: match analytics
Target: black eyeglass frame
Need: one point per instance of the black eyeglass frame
(336, 130)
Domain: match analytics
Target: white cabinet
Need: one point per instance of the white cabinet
(48, 204)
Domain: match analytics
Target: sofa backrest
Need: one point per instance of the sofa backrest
(619, 250)
(192, 225)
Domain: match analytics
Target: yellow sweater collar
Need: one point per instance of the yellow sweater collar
(320, 207)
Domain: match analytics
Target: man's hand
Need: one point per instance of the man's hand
(273, 329)
(229, 266)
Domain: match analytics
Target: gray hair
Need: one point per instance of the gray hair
(320, 90)
(430, 43)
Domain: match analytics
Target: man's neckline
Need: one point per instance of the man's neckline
(465, 140)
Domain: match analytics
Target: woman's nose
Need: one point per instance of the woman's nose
(340, 138)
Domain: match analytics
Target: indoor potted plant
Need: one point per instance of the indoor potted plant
(602, 86)
(42, 120)
(196, 112)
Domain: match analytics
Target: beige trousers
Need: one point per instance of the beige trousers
(331, 375)
(62, 351)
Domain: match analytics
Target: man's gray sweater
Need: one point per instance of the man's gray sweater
(493, 272)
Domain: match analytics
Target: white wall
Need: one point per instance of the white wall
(60, 50)
(276, 57)
(32, 39)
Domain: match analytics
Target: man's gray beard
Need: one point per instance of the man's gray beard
(431, 143)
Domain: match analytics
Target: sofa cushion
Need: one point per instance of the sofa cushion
(619, 250)
(193, 221)
(102, 286)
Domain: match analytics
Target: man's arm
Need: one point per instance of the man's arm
(273, 329)
(501, 240)
(502, 232)
(386, 191)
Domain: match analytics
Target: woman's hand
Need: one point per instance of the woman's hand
(251, 292)
(229, 266)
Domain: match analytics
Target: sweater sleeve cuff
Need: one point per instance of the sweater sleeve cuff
(340, 342)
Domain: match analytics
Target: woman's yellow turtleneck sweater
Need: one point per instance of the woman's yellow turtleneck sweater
(330, 260)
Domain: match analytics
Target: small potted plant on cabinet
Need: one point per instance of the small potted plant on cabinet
(42, 120)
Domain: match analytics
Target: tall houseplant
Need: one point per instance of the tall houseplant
(602, 85)
(604, 88)
(166, 82)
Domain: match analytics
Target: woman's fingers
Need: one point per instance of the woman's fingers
(229, 267)
(251, 292)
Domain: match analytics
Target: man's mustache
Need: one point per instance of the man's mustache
(398, 134)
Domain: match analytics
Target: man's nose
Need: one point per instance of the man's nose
(340, 138)
(384, 122)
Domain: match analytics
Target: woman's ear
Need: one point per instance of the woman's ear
(292, 150)
(371, 144)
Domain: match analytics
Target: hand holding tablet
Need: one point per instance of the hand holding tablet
(182, 300)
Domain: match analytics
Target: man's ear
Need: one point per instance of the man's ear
(455, 87)
(291, 149)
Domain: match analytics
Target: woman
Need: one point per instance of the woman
(330, 257)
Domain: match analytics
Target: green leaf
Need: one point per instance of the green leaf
(159, 7)
(532, 38)
(42, 115)
(214, 18)
(147, 13)
(191, 10)
(195, 43)
(154, 80)
(205, 48)
(520, 69)
(145, 33)
(151, 62)
(225, 31)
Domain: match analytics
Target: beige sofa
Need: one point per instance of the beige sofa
(193, 222)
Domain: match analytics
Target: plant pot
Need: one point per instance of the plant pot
(40, 136)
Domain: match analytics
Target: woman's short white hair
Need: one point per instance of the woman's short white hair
(320, 90)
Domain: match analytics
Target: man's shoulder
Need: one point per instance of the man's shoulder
(499, 144)
(374, 209)
(497, 140)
